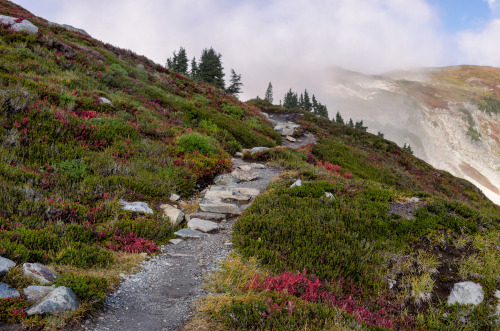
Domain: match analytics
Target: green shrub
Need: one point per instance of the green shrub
(195, 142)
(83, 256)
(88, 289)
(75, 169)
(234, 111)
(118, 68)
(148, 227)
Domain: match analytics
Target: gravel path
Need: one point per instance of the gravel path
(160, 296)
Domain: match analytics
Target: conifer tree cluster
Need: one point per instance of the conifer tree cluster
(209, 69)
(305, 102)
(358, 125)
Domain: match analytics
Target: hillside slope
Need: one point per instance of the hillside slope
(450, 116)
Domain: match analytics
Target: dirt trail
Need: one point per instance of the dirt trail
(160, 296)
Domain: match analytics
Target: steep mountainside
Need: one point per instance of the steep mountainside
(450, 116)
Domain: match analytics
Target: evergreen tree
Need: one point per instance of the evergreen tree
(290, 100)
(380, 134)
(194, 69)
(407, 149)
(359, 126)
(301, 101)
(338, 118)
(322, 111)
(307, 105)
(236, 83)
(210, 69)
(179, 62)
(351, 123)
(314, 104)
(269, 93)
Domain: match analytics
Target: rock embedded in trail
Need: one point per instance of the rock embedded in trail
(140, 207)
(39, 272)
(257, 166)
(189, 233)
(245, 167)
(5, 265)
(290, 139)
(202, 225)
(175, 215)
(60, 300)
(466, 293)
(208, 216)
(8, 292)
(245, 175)
(220, 208)
(226, 180)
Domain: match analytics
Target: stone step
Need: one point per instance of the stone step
(202, 225)
(208, 216)
(189, 233)
(220, 208)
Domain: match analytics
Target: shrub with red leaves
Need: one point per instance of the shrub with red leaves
(132, 243)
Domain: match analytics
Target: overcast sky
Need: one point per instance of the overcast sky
(292, 42)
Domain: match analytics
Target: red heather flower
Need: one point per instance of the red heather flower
(25, 120)
(17, 125)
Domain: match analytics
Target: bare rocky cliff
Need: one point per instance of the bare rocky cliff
(447, 115)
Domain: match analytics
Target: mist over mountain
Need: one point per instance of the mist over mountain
(450, 116)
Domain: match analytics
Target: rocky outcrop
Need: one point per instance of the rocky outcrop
(59, 300)
(466, 293)
(18, 24)
(34, 293)
(5, 265)
(39, 272)
(286, 129)
(140, 207)
(71, 28)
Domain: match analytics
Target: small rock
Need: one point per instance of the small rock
(465, 293)
(5, 265)
(290, 139)
(256, 150)
(39, 272)
(60, 300)
(8, 292)
(258, 166)
(226, 180)
(245, 167)
(209, 216)
(34, 292)
(140, 207)
(144, 255)
(392, 283)
(497, 295)
(228, 243)
(328, 196)
(175, 241)
(245, 176)
(174, 197)
(175, 215)
(298, 183)
(188, 233)
(202, 225)
(122, 275)
(414, 199)
(104, 100)
(238, 154)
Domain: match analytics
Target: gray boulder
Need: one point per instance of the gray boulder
(188, 233)
(59, 300)
(34, 293)
(297, 183)
(24, 25)
(466, 293)
(8, 292)
(39, 272)
(175, 215)
(174, 197)
(140, 207)
(72, 28)
(104, 100)
(202, 225)
(5, 265)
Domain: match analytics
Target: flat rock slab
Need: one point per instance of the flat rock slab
(59, 300)
(208, 216)
(202, 225)
(256, 150)
(175, 241)
(34, 292)
(218, 195)
(189, 233)
(245, 167)
(140, 207)
(237, 190)
(466, 293)
(226, 180)
(5, 265)
(175, 215)
(286, 129)
(291, 139)
(221, 208)
(8, 292)
(39, 272)
(245, 175)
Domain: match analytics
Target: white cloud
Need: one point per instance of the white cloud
(481, 46)
(288, 42)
